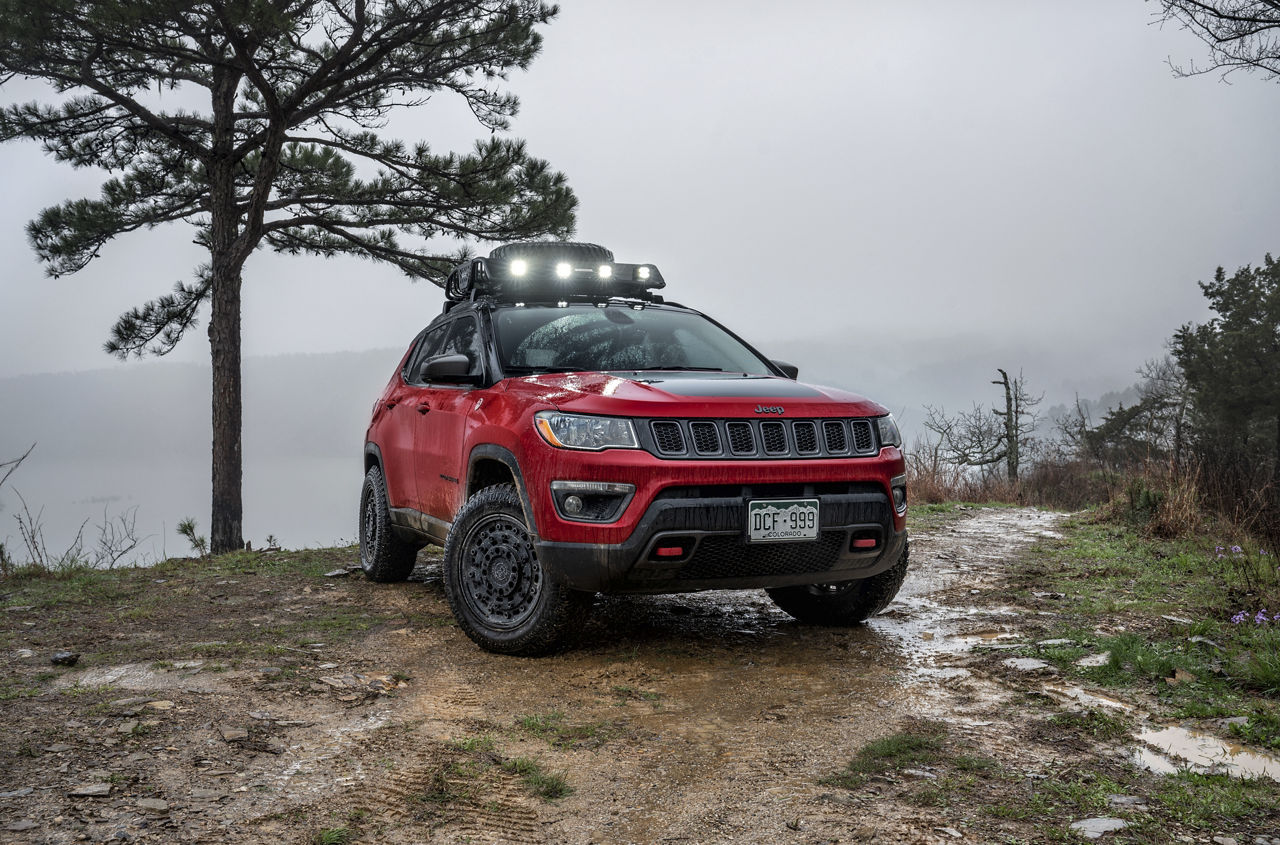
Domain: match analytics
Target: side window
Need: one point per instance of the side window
(465, 340)
(428, 348)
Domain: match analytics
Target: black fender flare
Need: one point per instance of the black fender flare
(504, 456)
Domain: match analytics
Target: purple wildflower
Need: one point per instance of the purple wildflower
(1217, 548)
(1261, 617)
(1238, 618)
(1235, 550)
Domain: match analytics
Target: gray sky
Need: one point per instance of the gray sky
(897, 196)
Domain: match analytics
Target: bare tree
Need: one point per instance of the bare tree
(1240, 34)
(985, 440)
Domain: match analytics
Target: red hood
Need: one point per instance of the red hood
(681, 394)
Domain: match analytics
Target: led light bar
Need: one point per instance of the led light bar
(551, 270)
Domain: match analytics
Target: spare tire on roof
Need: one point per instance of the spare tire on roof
(566, 250)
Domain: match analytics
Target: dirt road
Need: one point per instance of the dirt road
(699, 718)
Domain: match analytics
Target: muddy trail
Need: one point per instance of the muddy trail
(711, 717)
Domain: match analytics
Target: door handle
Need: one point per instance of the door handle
(423, 407)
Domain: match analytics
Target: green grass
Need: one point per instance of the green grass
(920, 745)
(555, 730)
(1114, 578)
(333, 836)
(1206, 801)
(545, 785)
(1094, 723)
(475, 744)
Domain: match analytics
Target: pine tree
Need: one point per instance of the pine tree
(284, 155)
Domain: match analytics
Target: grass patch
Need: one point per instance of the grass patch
(545, 785)
(475, 744)
(1206, 801)
(555, 730)
(1095, 723)
(921, 744)
(333, 836)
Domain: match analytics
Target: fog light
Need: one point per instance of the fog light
(572, 504)
(564, 270)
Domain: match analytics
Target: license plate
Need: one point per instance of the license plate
(782, 520)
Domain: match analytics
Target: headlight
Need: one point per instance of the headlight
(576, 431)
(889, 434)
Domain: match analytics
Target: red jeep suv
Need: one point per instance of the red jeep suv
(563, 430)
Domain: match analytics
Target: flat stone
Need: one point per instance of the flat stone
(270, 670)
(327, 666)
(950, 831)
(187, 664)
(19, 608)
(335, 573)
(1204, 641)
(336, 683)
(17, 793)
(91, 790)
(1236, 720)
(64, 658)
(200, 794)
(24, 653)
(1095, 828)
(1223, 840)
(1026, 664)
(1059, 641)
(57, 748)
(20, 825)
(127, 727)
(1092, 661)
(260, 715)
(1177, 620)
(1050, 595)
(153, 805)
(234, 734)
(919, 773)
(135, 701)
(159, 705)
(1128, 802)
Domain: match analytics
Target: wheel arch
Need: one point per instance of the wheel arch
(489, 465)
(373, 457)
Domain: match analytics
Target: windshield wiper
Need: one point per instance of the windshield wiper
(523, 369)
(678, 370)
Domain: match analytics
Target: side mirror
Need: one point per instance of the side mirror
(791, 371)
(450, 369)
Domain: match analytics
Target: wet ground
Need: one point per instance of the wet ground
(702, 718)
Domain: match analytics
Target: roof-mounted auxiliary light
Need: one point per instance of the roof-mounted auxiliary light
(551, 270)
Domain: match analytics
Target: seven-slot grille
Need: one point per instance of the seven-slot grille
(759, 439)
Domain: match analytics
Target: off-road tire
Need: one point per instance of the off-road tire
(384, 557)
(846, 603)
(499, 592)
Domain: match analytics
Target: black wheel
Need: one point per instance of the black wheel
(383, 556)
(845, 603)
(498, 591)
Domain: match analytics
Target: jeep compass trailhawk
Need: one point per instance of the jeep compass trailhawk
(563, 430)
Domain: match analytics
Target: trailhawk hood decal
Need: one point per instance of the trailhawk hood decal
(726, 394)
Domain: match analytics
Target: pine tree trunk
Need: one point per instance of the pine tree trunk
(226, 529)
(226, 532)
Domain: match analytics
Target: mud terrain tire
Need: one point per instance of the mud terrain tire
(499, 592)
(843, 604)
(384, 557)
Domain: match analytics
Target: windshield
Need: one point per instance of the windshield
(617, 337)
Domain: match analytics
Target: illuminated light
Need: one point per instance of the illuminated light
(563, 269)
(605, 271)
(562, 304)
(642, 273)
(519, 267)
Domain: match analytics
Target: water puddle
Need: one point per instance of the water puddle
(1173, 749)
(1088, 699)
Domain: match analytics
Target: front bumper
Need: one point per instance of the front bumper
(856, 540)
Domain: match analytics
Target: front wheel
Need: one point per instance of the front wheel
(845, 603)
(497, 588)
